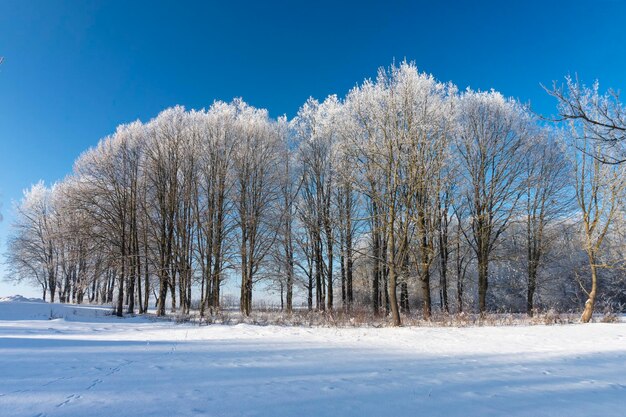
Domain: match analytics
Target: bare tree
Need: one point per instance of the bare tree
(108, 178)
(316, 130)
(347, 208)
(547, 201)
(602, 115)
(599, 193)
(216, 131)
(289, 187)
(33, 246)
(491, 146)
(256, 192)
(166, 135)
(380, 152)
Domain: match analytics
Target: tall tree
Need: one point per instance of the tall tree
(492, 148)
(107, 175)
(216, 132)
(256, 192)
(316, 130)
(545, 201)
(289, 189)
(166, 136)
(33, 245)
(599, 193)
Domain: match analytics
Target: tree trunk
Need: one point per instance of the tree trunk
(589, 304)
(532, 286)
(395, 313)
(376, 273)
(482, 284)
(120, 290)
(404, 298)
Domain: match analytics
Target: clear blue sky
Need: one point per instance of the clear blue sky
(74, 70)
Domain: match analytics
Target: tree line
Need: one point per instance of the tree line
(404, 194)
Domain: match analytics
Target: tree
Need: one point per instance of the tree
(492, 149)
(347, 208)
(380, 152)
(216, 138)
(256, 192)
(315, 127)
(108, 177)
(428, 108)
(546, 198)
(33, 248)
(599, 194)
(597, 126)
(603, 116)
(289, 189)
(164, 153)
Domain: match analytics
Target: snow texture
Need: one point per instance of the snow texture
(20, 299)
(80, 361)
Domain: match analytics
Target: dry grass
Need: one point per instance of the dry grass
(365, 318)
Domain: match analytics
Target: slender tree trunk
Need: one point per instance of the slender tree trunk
(120, 290)
(404, 298)
(532, 286)
(426, 300)
(132, 271)
(349, 268)
(310, 288)
(589, 304)
(482, 283)
(376, 256)
(329, 283)
(395, 313)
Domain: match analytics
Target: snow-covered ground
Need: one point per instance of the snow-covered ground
(80, 361)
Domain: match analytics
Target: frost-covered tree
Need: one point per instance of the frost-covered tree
(289, 186)
(546, 200)
(399, 192)
(166, 136)
(599, 194)
(108, 177)
(33, 246)
(492, 147)
(402, 125)
(315, 127)
(215, 144)
(256, 192)
(601, 116)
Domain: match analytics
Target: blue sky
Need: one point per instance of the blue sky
(74, 70)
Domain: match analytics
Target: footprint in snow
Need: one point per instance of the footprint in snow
(94, 383)
(68, 400)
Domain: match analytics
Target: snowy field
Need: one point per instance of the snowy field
(79, 361)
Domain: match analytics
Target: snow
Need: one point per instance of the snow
(81, 361)
(20, 299)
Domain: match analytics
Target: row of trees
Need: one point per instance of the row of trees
(405, 192)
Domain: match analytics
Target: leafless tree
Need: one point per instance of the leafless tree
(602, 115)
(547, 200)
(491, 146)
(256, 193)
(599, 193)
(33, 245)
